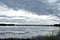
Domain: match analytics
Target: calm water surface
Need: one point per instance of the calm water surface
(27, 31)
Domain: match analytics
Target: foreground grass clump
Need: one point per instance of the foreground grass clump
(35, 38)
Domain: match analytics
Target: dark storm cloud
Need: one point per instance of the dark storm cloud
(39, 7)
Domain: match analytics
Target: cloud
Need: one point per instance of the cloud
(52, 1)
(22, 16)
(40, 7)
(37, 12)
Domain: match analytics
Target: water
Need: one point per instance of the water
(27, 31)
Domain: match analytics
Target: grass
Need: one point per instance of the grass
(35, 38)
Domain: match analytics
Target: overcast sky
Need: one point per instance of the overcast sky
(30, 11)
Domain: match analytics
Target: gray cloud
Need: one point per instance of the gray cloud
(38, 6)
(13, 20)
(5, 16)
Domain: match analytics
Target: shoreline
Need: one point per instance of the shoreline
(23, 25)
(27, 25)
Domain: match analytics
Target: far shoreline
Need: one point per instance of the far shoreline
(27, 25)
